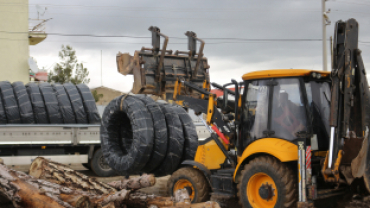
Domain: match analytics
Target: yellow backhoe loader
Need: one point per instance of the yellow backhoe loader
(282, 138)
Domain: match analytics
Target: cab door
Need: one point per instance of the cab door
(273, 108)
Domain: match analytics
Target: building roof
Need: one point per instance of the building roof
(282, 73)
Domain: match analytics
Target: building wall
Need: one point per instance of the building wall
(14, 45)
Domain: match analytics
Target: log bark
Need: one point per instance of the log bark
(209, 204)
(26, 191)
(60, 174)
(134, 183)
(144, 200)
(180, 200)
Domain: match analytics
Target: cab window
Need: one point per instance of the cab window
(288, 118)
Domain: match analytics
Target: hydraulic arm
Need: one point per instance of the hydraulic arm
(350, 110)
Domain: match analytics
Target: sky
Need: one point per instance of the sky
(241, 35)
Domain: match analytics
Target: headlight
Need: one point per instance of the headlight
(314, 74)
(318, 76)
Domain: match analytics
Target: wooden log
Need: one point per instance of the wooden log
(60, 174)
(180, 200)
(25, 191)
(143, 181)
(138, 199)
(209, 204)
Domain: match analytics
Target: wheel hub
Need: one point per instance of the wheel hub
(266, 191)
(103, 164)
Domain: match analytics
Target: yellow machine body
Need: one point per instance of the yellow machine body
(283, 150)
(210, 155)
(274, 73)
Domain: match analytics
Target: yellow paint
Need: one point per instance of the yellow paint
(283, 150)
(210, 155)
(282, 73)
(320, 153)
(325, 165)
(253, 186)
(175, 90)
(183, 183)
(336, 165)
(206, 86)
(211, 105)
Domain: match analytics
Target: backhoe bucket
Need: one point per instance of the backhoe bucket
(157, 71)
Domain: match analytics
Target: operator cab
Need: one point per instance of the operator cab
(285, 104)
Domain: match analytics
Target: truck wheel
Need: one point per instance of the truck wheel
(99, 166)
(193, 181)
(266, 182)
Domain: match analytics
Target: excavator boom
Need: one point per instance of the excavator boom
(350, 108)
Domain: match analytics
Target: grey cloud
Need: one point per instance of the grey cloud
(254, 19)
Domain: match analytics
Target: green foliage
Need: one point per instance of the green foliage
(96, 95)
(64, 70)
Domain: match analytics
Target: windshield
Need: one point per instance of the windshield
(318, 96)
(288, 111)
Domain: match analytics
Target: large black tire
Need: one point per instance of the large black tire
(89, 104)
(193, 181)
(24, 103)
(99, 165)
(51, 103)
(37, 102)
(2, 113)
(76, 102)
(65, 105)
(190, 133)
(126, 135)
(160, 134)
(9, 102)
(175, 142)
(279, 179)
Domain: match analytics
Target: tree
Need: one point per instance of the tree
(63, 71)
(96, 95)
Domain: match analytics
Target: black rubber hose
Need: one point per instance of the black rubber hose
(190, 133)
(24, 103)
(160, 134)
(37, 102)
(65, 105)
(175, 143)
(9, 102)
(76, 102)
(51, 103)
(89, 104)
(126, 135)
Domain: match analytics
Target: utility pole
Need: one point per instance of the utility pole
(101, 68)
(325, 21)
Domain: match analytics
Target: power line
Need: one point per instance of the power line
(235, 40)
(351, 2)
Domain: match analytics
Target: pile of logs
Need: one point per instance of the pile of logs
(53, 185)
